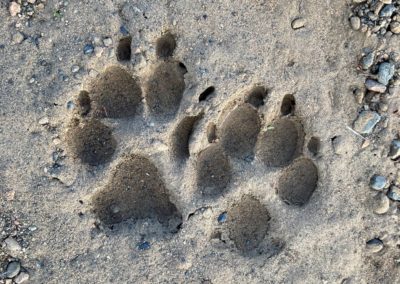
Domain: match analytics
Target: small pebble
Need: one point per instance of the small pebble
(222, 217)
(18, 38)
(394, 193)
(374, 245)
(298, 23)
(88, 49)
(93, 73)
(355, 23)
(75, 68)
(144, 246)
(12, 245)
(21, 278)
(123, 30)
(98, 51)
(374, 86)
(44, 121)
(359, 96)
(14, 9)
(395, 27)
(366, 121)
(388, 10)
(367, 61)
(394, 152)
(386, 72)
(381, 204)
(378, 182)
(107, 42)
(13, 268)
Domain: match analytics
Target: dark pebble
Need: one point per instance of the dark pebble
(123, 30)
(144, 246)
(222, 217)
(88, 49)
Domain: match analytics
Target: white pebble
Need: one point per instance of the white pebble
(21, 278)
(44, 121)
(14, 9)
(107, 42)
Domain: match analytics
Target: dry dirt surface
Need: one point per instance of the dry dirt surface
(199, 141)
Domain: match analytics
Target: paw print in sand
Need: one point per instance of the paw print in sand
(136, 188)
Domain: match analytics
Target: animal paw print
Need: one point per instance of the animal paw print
(137, 188)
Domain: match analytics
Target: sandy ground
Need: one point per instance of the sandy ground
(231, 45)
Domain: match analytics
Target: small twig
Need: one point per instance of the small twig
(355, 132)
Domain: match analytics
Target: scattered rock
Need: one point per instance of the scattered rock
(386, 72)
(107, 42)
(12, 245)
(21, 278)
(387, 11)
(394, 193)
(88, 49)
(394, 152)
(298, 23)
(355, 23)
(381, 204)
(374, 245)
(14, 9)
(378, 182)
(366, 121)
(13, 268)
(75, 68)
(18, 38)
(395, 27)
(222, 217)
(44, 121)
(374, 86)
(143, 246)
(367, 61)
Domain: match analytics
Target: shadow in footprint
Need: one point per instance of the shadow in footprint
(165, 45)
(164, 89)
(247, 223)
(239, 131)
(181, 135)
(298, 182)
(136, 191)
(256, 96)
(124, 51)
(213, 171)
(280, 143)
(91, 141)
(288, 105)
(115, 94)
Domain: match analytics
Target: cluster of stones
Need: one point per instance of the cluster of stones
(382, 82)
(26, 8)
(380, 17)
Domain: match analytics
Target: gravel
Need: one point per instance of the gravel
(21, 278)
(107, 42)
(12, 245)
(366, 121)
(13, 268)
(386, 72)
(298, 23)
(355, 23)
(374, 245)
(394, 152)
(143, 246)
(14, 9)
(378, 182)
(394, 193)
(88, 48)
(367, 61)
(381, 204)
(375, 86)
